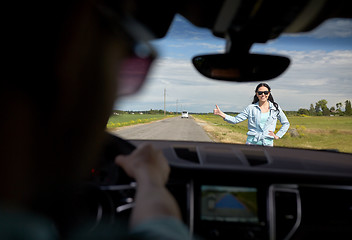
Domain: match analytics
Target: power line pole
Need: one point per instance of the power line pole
(164, 101)
(176, 106)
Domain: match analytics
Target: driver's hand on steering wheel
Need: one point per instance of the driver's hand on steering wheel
(150, 169)
(146, 165)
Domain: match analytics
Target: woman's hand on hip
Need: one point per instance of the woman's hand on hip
(271, 133)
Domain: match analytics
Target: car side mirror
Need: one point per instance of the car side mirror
(251, 67)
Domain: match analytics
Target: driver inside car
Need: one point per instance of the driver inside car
(62, 65)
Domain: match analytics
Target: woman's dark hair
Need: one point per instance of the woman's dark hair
(270, 98)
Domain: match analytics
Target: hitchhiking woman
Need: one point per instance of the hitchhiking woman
(262, 116)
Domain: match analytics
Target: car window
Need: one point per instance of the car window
(314, 92)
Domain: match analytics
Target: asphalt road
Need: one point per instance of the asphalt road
(176, 128)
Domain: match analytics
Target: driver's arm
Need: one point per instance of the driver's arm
(151, 170)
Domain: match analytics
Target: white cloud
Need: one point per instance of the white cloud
(315, 75)
(332, 28)
(341, 28)
(212, 46)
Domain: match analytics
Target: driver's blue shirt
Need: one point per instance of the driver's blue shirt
(259, 133)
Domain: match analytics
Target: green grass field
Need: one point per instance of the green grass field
(122, 120)
(314, 132)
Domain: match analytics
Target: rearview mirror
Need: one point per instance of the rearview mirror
(252, 67)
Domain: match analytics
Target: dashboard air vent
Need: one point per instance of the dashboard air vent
(285, 211)
(187, 153)
(255, 157)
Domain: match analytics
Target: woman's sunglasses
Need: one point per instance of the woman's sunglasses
(261, 92)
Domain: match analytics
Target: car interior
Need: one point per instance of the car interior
(286, 193)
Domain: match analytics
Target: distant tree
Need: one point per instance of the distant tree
(311, 110)
(322, 103)
(339, 112)
(338, 109)
(317, 108)
(303, 111)
(321, 108)
(348, 108)
(326, 111)
(338, 106)
(333, 110)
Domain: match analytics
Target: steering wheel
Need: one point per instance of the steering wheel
(108, 194)
(107, 171)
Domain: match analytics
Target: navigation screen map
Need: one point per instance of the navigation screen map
(230, 204)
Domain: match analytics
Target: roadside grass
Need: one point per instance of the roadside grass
(123, 120)
(333, 133)
(221, 131)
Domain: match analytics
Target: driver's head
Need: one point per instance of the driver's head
(63, 61)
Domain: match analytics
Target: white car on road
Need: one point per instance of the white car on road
(184, 114)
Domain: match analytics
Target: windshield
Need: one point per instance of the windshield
(314, 92)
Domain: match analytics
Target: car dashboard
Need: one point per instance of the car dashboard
(229, 191)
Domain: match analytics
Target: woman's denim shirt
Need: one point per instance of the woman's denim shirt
(253, 114)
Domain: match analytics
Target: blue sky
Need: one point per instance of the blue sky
(321, 68)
